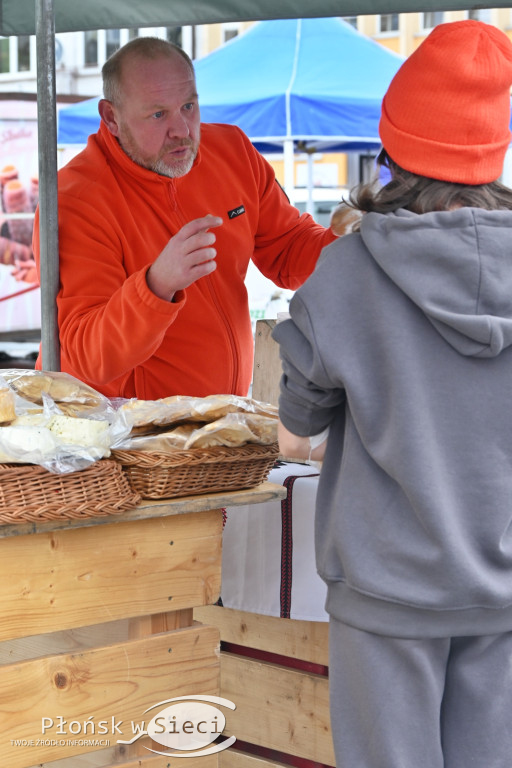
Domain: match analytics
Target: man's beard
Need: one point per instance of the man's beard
(158, 165)
(179, 168)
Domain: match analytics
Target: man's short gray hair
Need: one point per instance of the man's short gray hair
(139, 47)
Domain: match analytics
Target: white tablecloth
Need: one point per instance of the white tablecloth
(268, 561)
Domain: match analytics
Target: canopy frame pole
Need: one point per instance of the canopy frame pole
(310, 203)
(48, 211)
(289, 169)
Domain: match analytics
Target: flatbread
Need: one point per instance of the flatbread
(61, 387)
(234, 430)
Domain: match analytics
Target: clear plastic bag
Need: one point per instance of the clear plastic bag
(60, 423)
(232, 430)
(147, 414)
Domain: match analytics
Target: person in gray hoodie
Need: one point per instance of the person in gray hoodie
(399, 350)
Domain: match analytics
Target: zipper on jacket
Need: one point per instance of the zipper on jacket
(180, 220)
(231, 335)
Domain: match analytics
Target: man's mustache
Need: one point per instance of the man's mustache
(178, 145)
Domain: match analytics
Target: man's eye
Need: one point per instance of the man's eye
(189, 107)
(157, 115)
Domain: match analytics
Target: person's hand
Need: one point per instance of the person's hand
(25, 271)
(187, 256)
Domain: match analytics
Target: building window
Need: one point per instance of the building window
(99, 44)
(17, 54)
(352, 20)
(91, 49)
(4, 55)
(175, 35)
(482, 14)
(113, 41)
(432, 19)
(23, 45)
(229, 31)
(388, 22)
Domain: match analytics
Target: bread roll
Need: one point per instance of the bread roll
(7, 409)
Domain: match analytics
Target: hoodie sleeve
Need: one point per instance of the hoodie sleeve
(308, 399)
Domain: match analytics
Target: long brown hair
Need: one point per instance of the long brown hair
(420, 194)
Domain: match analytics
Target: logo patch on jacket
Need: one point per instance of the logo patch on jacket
(234, 212)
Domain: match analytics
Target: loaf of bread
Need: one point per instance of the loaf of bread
(7, 407)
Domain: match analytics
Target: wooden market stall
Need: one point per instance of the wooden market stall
(105, 616)
(86, 626)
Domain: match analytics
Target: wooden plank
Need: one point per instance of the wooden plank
(267, 364)
(67, 641)
(268, 369)
(162, 508)
(99, 759)
(148, 625)
(233, 759)
(278, 708)
(117, 683)
(208, 761)
(305, 640)
(73, 578)
(112, 759)
(160, 622)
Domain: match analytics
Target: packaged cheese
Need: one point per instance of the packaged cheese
(26, 444)
(91, 434)
(56, 422)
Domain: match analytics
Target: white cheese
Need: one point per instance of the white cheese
(25, 444)
(87, 433)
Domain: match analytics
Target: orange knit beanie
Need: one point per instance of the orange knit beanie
(446, 113)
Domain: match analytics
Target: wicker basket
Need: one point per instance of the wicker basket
(158, 475)
(29, 492)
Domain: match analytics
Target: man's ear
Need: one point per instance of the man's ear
(107, 114)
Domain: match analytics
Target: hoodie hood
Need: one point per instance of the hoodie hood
(456, 266)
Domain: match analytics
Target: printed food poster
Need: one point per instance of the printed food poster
(20, 300)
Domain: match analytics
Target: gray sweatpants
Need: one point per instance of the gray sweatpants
(434, 703)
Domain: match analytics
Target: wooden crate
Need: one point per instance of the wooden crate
(275, 670)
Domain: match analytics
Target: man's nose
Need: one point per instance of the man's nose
(177, 127)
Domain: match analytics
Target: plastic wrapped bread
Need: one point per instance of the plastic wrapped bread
(7, 407)
(146, 414)
(60, 387)
(232, 430)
